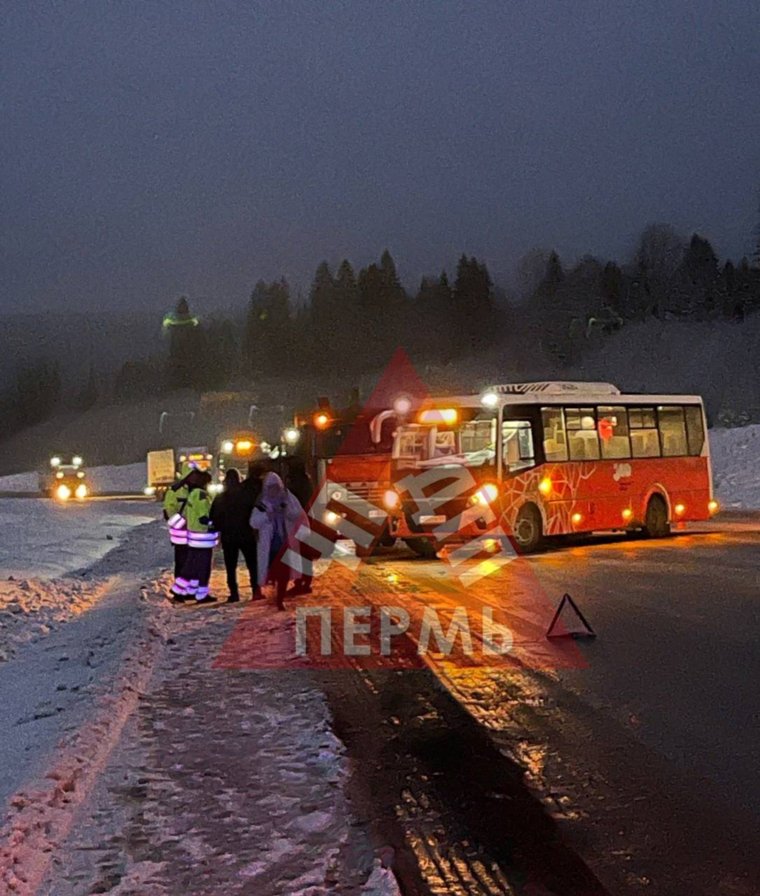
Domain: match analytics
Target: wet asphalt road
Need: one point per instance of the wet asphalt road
(647, 750)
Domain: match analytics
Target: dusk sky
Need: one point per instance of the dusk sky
(156, 148)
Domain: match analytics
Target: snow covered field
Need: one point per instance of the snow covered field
(45, 539)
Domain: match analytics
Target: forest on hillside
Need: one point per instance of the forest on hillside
(550, 323)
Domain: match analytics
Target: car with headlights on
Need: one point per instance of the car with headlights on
(66, 479)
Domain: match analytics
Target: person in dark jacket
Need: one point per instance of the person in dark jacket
(257, 469)
(230, 513)
(299, 484)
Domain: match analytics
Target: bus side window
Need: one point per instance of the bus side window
(672, 431)
(613, 431)
(695, 429)
(645, 441)
(555, 443)
(582, 437)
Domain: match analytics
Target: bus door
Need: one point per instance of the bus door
(517, 448)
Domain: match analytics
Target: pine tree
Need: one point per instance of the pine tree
(473, 299)
(696, 294)
(185, 368)
(346, 324)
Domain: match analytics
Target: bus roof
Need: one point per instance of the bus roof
(552, 393)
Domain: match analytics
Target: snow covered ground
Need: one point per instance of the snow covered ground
(736, 466)
(45, 539)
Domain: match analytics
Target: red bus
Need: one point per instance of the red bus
(550, 458)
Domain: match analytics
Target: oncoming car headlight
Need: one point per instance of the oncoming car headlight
(63, 492)
(81, 491)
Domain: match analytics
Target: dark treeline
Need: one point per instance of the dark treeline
(352, 321)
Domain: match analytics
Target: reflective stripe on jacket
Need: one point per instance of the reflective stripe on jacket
(197, 512)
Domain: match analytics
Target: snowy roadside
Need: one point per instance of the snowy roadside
(121, 479)
(196, 779)
(31, 608)
(736, 466)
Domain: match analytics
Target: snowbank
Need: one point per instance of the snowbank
(736, 466)
(30, 609)
(47, 539)
(20, 482)
(125, 479)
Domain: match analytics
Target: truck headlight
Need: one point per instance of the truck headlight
(390, 499)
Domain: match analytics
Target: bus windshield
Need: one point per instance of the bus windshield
(472, 444)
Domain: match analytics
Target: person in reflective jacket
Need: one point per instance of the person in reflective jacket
(192, 582)
(174, 507)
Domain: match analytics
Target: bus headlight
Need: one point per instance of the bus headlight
(390, 499)
(486, 494)
(680, 509)
(227, 447)
(63, 492)
(81, 491)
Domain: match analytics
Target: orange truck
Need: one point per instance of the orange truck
(348, 457)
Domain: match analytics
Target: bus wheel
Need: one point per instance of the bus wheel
(656, 523)
(422, 547)
(528, 529)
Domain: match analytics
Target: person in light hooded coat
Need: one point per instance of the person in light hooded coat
(277, 517)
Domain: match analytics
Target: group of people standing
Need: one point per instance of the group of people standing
(256, 517)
